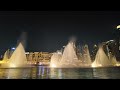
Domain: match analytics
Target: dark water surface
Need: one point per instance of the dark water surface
(42, 72)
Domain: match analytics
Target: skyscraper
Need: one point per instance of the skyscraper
(117, 42)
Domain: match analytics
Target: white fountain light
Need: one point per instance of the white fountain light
(53, 65)
(93, 65)
(118, 27)
(117, 64)
(12, 65)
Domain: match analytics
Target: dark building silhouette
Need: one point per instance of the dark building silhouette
(116, 46)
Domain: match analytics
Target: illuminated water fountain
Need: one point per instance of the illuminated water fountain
(69, 58)
(102, 60)
(55, 59)
(18, 58)
(86, 56)
(114, 62)
(5, 57)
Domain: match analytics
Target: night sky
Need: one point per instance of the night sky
(51, 30)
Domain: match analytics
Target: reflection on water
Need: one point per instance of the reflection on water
(100, 72)
(70, 73)
(14, 73)
(41, 72)
(56, 73)
(107, 73)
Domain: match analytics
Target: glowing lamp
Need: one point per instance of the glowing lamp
(13, 48)
(12, 65)
(118, 27)
(53, 65)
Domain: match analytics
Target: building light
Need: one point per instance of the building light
(13, 48)
(95, 45)
(111, 40)
(64, 46)
(27, 53)
(118, 27)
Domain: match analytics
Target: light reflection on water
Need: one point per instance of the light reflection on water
(14, 73)
(107, 73)
(41, 72)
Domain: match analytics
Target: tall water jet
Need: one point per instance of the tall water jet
(79, 52)
(113, 60)
(18, 58)
(69, 57)
(55, 59)
(101, 59)
(6, 55)
(86, 56)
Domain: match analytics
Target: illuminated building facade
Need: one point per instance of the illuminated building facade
(39, 58)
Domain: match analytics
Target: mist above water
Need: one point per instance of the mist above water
(23, 39)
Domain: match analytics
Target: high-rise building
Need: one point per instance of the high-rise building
(117, 42)
(118, 37)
